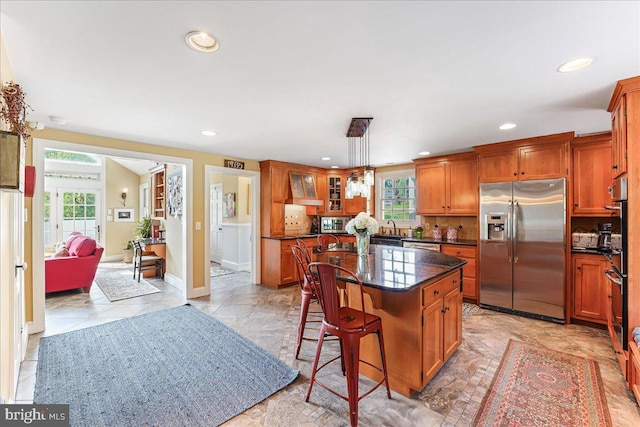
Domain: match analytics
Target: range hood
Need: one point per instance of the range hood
(303, 190)
(303, 202)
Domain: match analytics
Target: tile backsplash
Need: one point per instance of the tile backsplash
(469, 230)
(296, 220)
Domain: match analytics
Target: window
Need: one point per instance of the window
(397, 196)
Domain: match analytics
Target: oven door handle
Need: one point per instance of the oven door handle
(610, 277)
(612, 208)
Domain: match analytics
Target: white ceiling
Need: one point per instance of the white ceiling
(289, 76)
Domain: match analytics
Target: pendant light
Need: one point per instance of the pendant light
(359, 157)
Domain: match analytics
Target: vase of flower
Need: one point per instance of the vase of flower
(362, 243)
(362, 226)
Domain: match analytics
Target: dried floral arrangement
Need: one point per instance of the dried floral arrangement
(14, 109)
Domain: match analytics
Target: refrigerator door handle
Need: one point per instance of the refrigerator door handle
(508, 229)
(516, 207)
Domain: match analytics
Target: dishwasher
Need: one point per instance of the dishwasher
(421, 245)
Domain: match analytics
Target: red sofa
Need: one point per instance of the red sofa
(76, 270)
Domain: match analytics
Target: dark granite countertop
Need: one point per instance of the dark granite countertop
(586, 251)
(391, 268)
(404, 239)
(441, 241)
(300, 236)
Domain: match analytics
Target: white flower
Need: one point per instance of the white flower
(361, 224)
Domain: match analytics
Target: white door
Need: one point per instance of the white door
(215, 200)
(20, 338)
(67, 210)
(144, 201)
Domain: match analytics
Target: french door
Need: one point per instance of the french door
(67, 210)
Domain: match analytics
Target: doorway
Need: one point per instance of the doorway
(185, 242)
(239, 215)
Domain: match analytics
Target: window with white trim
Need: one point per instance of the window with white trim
(396, 196)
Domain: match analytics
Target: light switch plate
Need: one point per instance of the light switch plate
(198, 225)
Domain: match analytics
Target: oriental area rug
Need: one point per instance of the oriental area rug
(535, 386)
(119, 284)
(217, 270)
(174, 367)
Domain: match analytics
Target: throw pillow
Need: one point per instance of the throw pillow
(74, 235)
(82, 246)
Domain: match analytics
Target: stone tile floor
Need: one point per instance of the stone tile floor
(269, 317)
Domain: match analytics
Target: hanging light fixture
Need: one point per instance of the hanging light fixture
(358, 144)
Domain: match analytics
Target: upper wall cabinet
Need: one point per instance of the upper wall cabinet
(447, 185)
(526, 159)
(619, 137)
(159, 191)
(591, 170)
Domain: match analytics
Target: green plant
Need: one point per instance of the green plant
(419, 228)
(128, 245)
(142, 229)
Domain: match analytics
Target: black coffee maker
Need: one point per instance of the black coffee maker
(604, 236)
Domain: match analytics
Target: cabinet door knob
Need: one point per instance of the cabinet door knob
(578, 268)
(455, 281)
(575, 204)
(522, 172)
(436, 292)
(515, 173)
(614, 167)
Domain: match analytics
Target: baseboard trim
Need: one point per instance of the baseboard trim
(111, 258)
(174, 281)
(245, 266)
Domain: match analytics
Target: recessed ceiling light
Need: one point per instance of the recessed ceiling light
(335, 167)
(326, 158)
(208, 133)
(424, 153)
(57, 120)
(575, 64)
(507, 126)
(201, 41)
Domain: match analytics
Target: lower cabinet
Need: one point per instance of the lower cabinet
(469, 273)
(441, 323)
(278, 265)
(590, 295)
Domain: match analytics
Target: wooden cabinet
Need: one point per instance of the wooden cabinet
(590, 288)
(469, 271)
(441, 323)
(591, 167)
(447, 185)
(274, 191)
(158, 178)
(278, 264)
(335, 194)
(634, 370)
(543, 157)
(619, 137)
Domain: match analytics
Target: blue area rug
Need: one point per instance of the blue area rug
(169, 368)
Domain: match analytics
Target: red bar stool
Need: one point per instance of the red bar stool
(324, 240)
(350, 326)
(305, 279)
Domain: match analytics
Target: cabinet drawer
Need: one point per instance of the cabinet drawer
(469, 269)
(440, 288)
(459, 251)
(469, 287)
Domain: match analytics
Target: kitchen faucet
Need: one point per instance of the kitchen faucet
(394, 225)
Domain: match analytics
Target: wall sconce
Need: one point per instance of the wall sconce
(124, 196)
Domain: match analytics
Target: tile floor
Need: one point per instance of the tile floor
(269, 318)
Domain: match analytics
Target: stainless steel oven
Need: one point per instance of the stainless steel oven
(618, 269)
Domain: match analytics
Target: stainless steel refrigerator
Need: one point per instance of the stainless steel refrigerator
(522, 247)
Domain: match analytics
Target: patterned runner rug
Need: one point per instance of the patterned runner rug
(535, 386)
(174, 367)
(119, 284)
(469, 310)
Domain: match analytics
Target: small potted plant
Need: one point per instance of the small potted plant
(142, 229)
(127, 252)
(418, 231)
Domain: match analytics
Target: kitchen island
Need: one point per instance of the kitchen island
(417, 293)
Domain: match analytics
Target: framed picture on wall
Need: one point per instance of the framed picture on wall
(229, 205)
(174, 184)
(124, 215)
